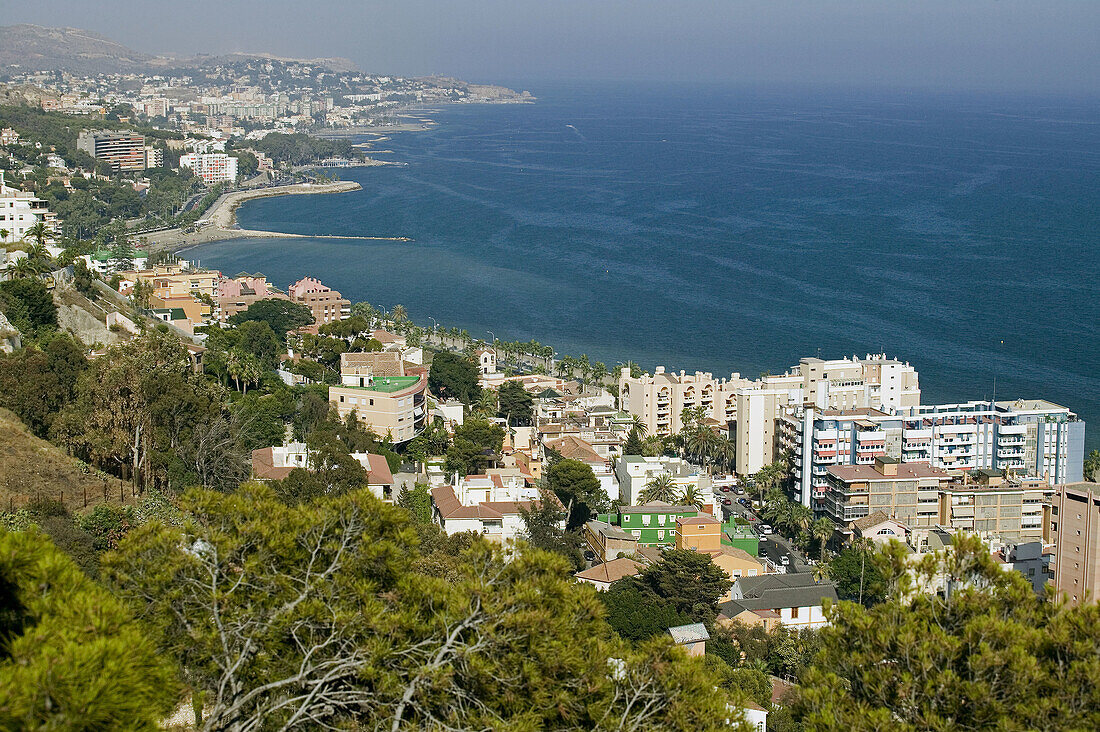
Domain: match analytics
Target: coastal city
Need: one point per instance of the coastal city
(440, 529)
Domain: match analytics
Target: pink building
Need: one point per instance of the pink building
(234, 295)
(327, 304)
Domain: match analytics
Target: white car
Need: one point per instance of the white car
(765, 529)
(785, 560)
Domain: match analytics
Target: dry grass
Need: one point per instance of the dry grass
(32, 468)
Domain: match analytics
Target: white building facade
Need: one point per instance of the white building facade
(212, 168)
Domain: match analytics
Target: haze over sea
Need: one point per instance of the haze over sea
(727, 229)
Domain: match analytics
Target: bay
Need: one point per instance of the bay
(728, 229)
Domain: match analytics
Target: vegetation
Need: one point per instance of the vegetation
(71, 655)
(987, 653)
(516, 403)
(454, 377)
(476, 445)
(578, 489)
(280, 315)
(301, 149)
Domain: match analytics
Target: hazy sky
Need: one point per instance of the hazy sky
(950, 44)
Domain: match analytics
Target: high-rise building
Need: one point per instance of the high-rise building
(212, 168)
(750, 408)
(381, 394)
(1033, 438)
(122, 150)
(1075, 530)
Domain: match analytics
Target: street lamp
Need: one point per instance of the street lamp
(494, 341)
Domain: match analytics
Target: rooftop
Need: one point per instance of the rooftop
(906, 471)
(611, 571)
(692, 633)
(388, 384)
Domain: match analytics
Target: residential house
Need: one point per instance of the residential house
(326, 304)
(692, 638)
(382, 393)
(879, 528)
(790, 600)
(602, 575)
(652, 524)
(277, 462)
(607, 541)
(635, 471)
(484, 504)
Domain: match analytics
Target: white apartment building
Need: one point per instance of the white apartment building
(1034, 438)
(750, 408)
(634, 471)
(19, 211)
(213, 168)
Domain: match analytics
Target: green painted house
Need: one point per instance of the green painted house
(652, 524)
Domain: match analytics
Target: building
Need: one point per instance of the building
(919, 496)
(572, 447)
(879, 528)
(791, 600)
(601, 576)
(699, 533)
(608, 541)
(325, 303)
(376, 387)
(212, 168)
(154, 157)
(486, 361)
(908, 492)
(633, 472)
(1027, 437)
(121, 150)
(692, 638)
(277, 462)
(1075, 531)
(19, 211)
(236, 294)
(8, 136)
(653, 524)
(750, 408)
(1030, 559)
(485, 504)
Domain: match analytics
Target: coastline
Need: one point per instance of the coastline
(222, 219)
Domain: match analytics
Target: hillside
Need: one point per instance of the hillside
(86, 52)
(31, 467)
(72, 49)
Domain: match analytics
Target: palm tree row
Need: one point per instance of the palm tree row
(794, 520)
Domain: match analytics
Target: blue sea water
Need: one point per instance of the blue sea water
(729, 230)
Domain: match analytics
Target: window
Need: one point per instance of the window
(661, 534)
(661, 519)
(637, 533)
(794, 613)
(645, 519)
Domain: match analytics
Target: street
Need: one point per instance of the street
(773, 546)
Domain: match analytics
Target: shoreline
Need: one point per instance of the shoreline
(222, 218)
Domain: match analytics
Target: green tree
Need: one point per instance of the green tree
(857, 576)
(634, 444)
(452, 376)
(688, 581)
(256, 337)
(987, 653)
(660, 488)
(418, 502)
(281, 315)
(637, 615)
(36, 384)
(578, 489)
(516, 403)
(317, 615)
(544, 528)
(476, 445)
(28, 304)
(71, 656)
(1092, 466)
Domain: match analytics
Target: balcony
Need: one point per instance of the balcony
(1010, 453)
(1012, 429)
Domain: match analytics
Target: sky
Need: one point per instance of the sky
(995, 45)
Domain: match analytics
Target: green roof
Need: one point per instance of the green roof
(388, 384)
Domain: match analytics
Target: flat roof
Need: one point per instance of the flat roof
(387, 384)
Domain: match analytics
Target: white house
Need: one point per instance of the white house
(276, 463)
(634, 471)
(19, 211)
(490, 505)
(793, 600)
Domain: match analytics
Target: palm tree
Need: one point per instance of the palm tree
(724, 453)
(23, 268)
(637, 423)
(4, 234)
(39, 233)
(820, 532)
(801, 518)
(700, 442)
(660, 488)
(1092, 466)
(692, 497)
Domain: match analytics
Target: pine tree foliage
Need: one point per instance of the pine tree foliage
(963, 645)
(71, 655)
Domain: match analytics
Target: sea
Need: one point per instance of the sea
(730, 229)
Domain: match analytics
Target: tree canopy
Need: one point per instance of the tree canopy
(71, 655)
(515, 403)
(281, 315)
(453, 376)
(579, 490)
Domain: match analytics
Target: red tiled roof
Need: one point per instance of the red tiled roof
(379, 471)
(611, 571)
(451, 508)
(263, 465)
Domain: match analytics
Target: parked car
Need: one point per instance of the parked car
(590, 555)
(739, 491)
(743, 501)
(726, 502)
(765, 529)
(725, 489)
(785, 560)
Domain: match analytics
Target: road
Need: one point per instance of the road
(773, 546)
